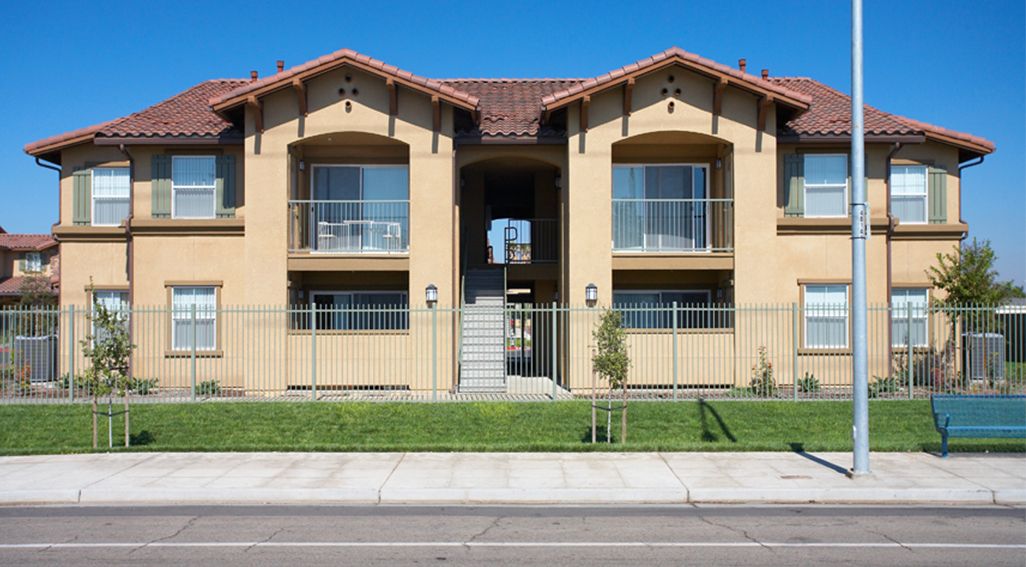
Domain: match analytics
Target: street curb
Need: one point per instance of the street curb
(555, 496)
(227, 495)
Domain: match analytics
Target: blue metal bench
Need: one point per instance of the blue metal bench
(1000, 417)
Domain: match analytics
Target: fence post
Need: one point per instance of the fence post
(71, 353)
(910, 372)
(313, 350)
(794, 348)
(675, 351)
(434, 353)
(555, 331)
(193, 370)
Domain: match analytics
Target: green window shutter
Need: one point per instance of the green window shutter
(224, 192)
(82, 197)
(160, 188)
(937, 194)
(794, 185)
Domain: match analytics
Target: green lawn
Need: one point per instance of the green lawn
(491, 426)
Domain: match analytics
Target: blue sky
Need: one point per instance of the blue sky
(958, 64)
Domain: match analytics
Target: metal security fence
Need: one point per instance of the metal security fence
(678, 351)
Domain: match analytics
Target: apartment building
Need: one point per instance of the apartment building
(346, 183)
(24, 257)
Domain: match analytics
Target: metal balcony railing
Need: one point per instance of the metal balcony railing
(673, 225)
(531, 241)
(349, 227)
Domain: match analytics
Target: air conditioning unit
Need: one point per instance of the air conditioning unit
(984, 356)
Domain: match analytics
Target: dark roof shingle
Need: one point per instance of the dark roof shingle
(511, 107)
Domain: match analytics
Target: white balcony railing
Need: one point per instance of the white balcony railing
(349, 227)
(673, 225)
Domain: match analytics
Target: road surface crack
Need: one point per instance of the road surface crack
(891, 539)
(494, 523)
(178, 532)
(266, 539)
(739, 531)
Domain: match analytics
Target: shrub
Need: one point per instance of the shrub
(884, 385)
(808, 384)
(208, 388)
(142, 386)
(762, 382)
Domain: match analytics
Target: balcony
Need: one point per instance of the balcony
(673, 225)
(530, 241)
(349, 227)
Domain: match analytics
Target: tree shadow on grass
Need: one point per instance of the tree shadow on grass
(600, 435)
(799, 448)
(704, 411)
(144, 437)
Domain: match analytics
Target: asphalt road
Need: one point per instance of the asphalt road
(381, 535)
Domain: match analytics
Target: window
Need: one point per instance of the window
(901, 301)
(360, 208)
(183, 300)
(361, 310)
(654, 309)
(111, 188)
(33, 262)
(192, 187)
(660, 207)
(826, 185)
(114, 301)
(826, 316)
(908, 193)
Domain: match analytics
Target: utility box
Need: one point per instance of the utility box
(984, 356)
(39, 354)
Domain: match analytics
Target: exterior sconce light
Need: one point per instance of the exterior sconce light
(591, 294)
(431, 295)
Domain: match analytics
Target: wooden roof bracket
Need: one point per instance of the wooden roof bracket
(393, 97)
(436, 112)
(299, 87)
(628, 95)
(585, 107)
(718, 89)
(257, 108)
(764, 107)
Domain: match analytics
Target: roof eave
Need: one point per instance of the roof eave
(178, 140)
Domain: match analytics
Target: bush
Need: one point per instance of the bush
(142, 386)
(762, 382)
(886, 385)
(208, 388)
(808, 384)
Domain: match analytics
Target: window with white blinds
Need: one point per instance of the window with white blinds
(192, 187)
(905, 302)
(826, 185)
(183, 331)
(115, 302)
(826, 316)
(111, 190)
(908, 193)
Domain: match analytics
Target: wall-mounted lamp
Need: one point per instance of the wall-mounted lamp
(431, 295)
(591, 294)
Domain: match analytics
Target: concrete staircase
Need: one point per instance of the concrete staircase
(483, 348)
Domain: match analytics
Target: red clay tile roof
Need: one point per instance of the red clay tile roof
(511, 107)
(332, 60)
(186, 114)
(26, 241)
(12, 286)
(685, 58)
(830, 115)
(54, 142)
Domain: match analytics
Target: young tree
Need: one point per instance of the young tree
(611, 360)
(36, 302)
(108, 346)
(968, 277)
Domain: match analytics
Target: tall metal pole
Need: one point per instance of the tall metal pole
(859, 233)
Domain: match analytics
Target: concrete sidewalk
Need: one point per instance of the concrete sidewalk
(509, 478)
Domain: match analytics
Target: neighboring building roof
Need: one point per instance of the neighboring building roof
(511, 107)
(676, 56)
(337, 59)
(12, 286)
(185, 115)
(26, 242)
(830, 115)
(505, 107)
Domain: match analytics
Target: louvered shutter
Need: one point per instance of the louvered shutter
(225, 187)
(160, 189)
(937, 195)
(82, 197)
(794, 185)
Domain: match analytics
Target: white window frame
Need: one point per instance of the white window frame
(125, 308)
(177, 315)
(33, 262)
(806, 185)
(900, 316)
(93, 197)
(924, 194)
(806, 315)
(707, 200)
(175, 187)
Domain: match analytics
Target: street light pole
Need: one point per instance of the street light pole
(860, 224)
